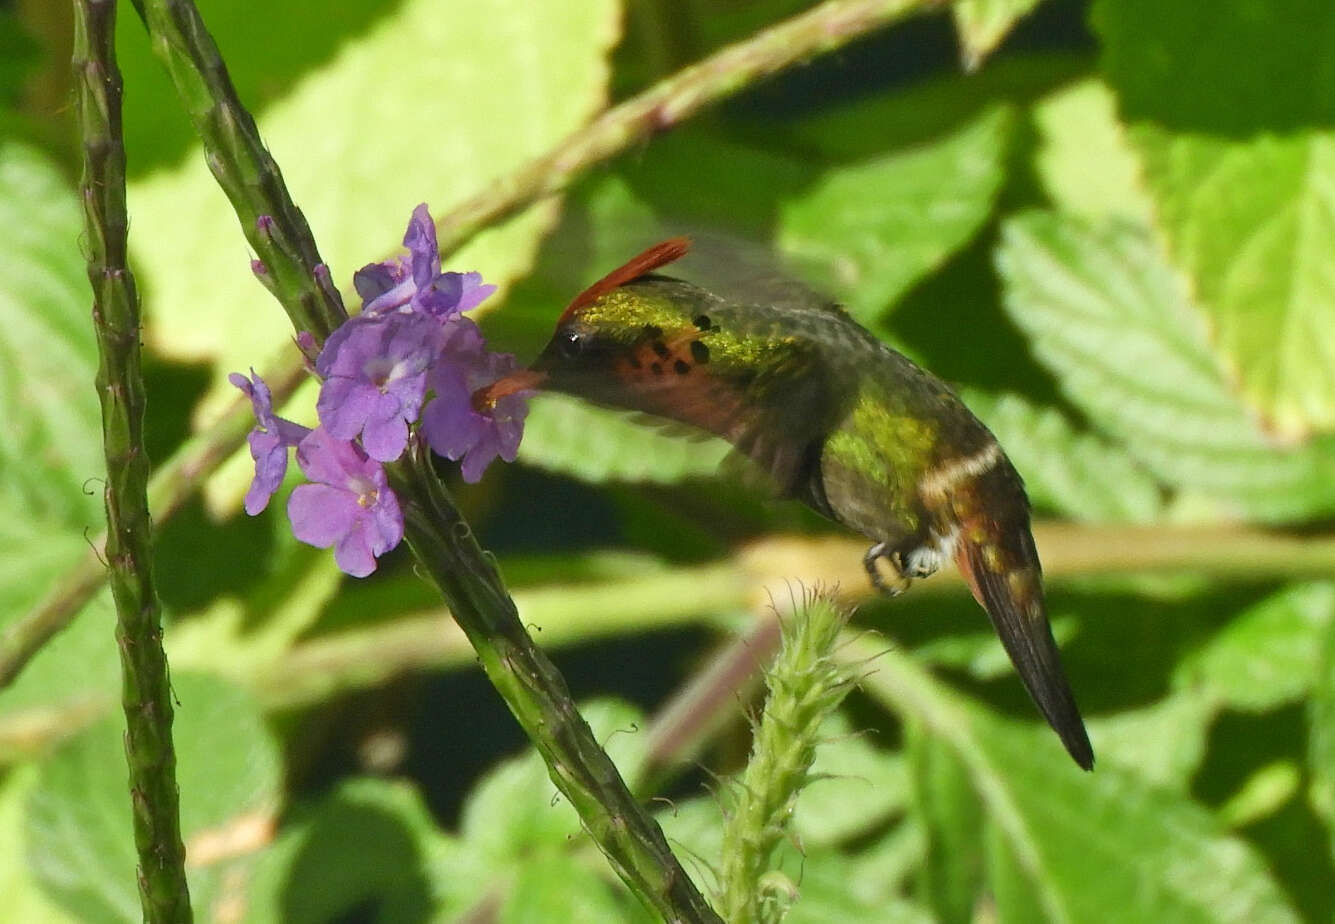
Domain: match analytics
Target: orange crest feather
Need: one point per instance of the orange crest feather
(660, 254)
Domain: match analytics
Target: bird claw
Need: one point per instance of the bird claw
(879, 551)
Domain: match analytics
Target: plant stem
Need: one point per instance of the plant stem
(822, 29)
(145, 693)
(243, 167)
(538, 697)
(170, 487)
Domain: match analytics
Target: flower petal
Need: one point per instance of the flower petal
(322, 515)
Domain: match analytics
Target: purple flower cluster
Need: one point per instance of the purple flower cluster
(411, 346)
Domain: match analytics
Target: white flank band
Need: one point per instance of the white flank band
(938, 483)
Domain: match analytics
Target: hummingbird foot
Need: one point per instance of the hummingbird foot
(869, 561)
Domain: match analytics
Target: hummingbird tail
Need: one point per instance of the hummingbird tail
(1000, 564)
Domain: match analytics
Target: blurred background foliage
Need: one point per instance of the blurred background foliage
(1110, 224)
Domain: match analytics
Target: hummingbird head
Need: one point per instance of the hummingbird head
(596, 331)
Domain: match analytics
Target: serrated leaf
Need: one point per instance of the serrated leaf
(80, 842)
(1253, 223)
(428, 103)
(867, 231)
(1085, 158)
(1078, 474)
(982, 24)
(1233, 113)
(1110, 318)
(565, 435)
(1266, 656)
(1159, 856)
(48, 357)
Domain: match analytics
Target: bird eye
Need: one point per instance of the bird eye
(570, 344)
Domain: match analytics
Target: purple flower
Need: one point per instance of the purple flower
(268, 441)
(374, 367)
(417, 284)
(454, 424)
(350, 507)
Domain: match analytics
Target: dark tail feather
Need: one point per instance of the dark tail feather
(1001, 567)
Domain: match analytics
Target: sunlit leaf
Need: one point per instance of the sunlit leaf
(51, 456)
(1158, 856)
(79, 835)
(1114, 323)
(1268, 655)
(1253, 223)
(1085, 158)
(982, 24)
(429, 104)
(1078, 474)
(868, 231)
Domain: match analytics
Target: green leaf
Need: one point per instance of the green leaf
(1244, 68)
(1253, 224)
(854, 787)
(79, 836)
(428, 103)
(1266, 656)
(552, 886)
(1085, 159)
(1158, 856)
(369, 843)
(1232, 113)
(1163, 743)
(516, 808)
(1321, 746)
(827, 894)
(945, 802)
(563, 434)
(1110, 318)
(867, 231)
(1075, 473)
(51, 456)
(69, 683)
(24, 899)
(982, 24)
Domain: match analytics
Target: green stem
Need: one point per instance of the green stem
(243, 167)
(537, 695)
(146, 695)
(820, 30)
(174, 483)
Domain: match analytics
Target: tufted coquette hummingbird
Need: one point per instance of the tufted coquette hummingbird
(837, 420)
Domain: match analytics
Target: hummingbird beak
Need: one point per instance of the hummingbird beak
(485, 398)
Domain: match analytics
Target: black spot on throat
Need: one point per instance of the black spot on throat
(699, 352)
(681, 366)
(652, 331)
(702, 321)
(656, 368)
(661, 349)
